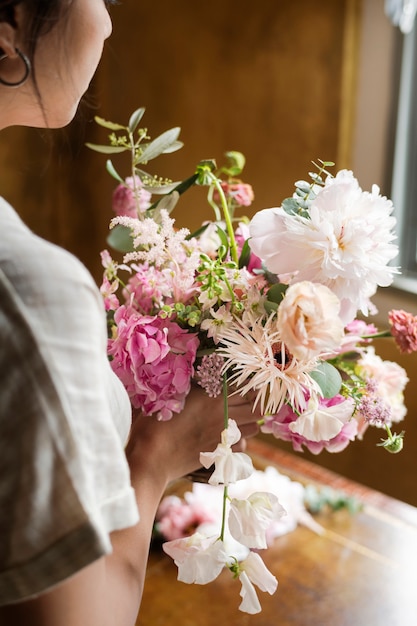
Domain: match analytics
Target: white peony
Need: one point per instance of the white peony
(345, 243)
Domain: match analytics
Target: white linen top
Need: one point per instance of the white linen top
(64, 418)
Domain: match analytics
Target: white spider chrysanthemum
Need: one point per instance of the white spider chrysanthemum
(258, 361)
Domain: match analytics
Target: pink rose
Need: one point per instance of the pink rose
(240, 193)
(308, 320)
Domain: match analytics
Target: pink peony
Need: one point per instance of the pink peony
(404, 330)
(154, 359)
(124, 201)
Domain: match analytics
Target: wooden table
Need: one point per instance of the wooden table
(361, 572)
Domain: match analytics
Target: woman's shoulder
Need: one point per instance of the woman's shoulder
(33, 263)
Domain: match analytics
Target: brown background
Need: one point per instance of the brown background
(275, 80)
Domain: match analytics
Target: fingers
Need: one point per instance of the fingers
(237, 399)
(249, 430)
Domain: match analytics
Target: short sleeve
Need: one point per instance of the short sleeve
(64, 479)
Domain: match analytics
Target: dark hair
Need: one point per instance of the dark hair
(41, 16)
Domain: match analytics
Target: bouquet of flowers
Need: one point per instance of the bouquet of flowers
(268, 306)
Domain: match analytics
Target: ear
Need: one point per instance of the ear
(8, 39)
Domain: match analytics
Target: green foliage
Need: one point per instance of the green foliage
(318, 500)
(120, 239)
(305, 193)
(276, 293)
(235, 166)
(328, 378)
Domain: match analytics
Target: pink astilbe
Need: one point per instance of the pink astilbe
(154, 359)
(404, 330)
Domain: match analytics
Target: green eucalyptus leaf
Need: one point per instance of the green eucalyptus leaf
(110, 125)
(111, 170)
(106, 149)
(291, 205)
(328, 378)
(120, 239)
(135, 119)
(159, 145)
(303, 186)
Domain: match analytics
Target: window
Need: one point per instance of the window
(404, 180)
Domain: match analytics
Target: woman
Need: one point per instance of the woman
(80, 481)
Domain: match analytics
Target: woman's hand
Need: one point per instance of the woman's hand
(171, 449)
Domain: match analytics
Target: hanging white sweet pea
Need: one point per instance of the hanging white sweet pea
(322, 423)
(229, 466)
(199, 559)
(253, 571)
(249, 519)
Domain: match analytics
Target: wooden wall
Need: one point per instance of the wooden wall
(275, 80)
(268, 78)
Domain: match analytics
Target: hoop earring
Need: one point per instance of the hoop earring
(27, 65)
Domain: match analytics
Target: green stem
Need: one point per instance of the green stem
(225, 499)
(381, 333)
(230, 290)
(213, 204)
(135, 187)
(225, 403)
(227, 218)
(226, 424)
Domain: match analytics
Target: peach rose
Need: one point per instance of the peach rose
(308, 320)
